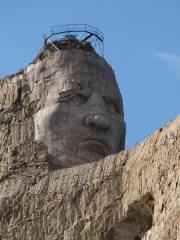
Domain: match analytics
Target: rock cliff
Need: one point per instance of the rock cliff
(132, 195)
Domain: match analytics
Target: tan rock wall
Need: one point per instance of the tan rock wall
(18, 152)
(132, 195)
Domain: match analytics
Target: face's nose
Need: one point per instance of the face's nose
(98, 121)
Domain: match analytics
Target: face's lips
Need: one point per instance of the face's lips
(95, 145)
(98, 140)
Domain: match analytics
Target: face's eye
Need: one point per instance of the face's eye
(78, 99)
(74, 97)
(113, 104)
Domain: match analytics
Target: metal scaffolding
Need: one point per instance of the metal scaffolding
(81, 32)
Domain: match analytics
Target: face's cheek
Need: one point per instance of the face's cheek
(64, 129)
(41, 122)
(117, 132)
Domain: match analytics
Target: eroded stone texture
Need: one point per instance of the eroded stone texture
(79, 115)
(66, 103)
(137, 189)
(130, 195)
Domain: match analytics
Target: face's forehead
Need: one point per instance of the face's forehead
(97, 78)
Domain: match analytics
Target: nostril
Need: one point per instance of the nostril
(97, 121)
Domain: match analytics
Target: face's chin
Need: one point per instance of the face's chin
(88, 150)
(86, 156)
(65, 161)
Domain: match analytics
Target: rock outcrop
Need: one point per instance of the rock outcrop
(132, 195)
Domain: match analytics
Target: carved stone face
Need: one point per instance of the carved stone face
(82, 118)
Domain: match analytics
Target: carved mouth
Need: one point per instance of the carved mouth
(94, 145)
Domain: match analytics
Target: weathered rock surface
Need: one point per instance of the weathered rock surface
(132, 195)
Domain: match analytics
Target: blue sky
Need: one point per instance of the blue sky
(142, 44)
